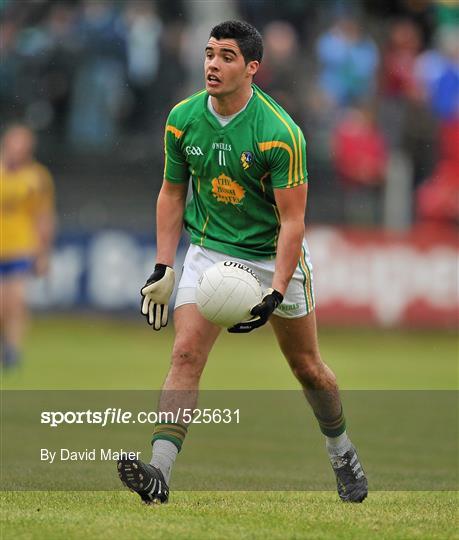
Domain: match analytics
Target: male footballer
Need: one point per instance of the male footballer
(246, 161)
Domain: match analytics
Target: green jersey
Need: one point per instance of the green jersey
(234, 170)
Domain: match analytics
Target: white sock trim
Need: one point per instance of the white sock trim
(163, 457)
(338, 446)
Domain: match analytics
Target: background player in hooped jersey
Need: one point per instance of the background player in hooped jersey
(245, 158)
(26, 232)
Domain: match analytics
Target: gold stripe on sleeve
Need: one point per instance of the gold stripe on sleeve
(289, 130)
(177, 132)
(267, 145)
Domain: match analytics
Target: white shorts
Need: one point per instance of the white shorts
(298, 299)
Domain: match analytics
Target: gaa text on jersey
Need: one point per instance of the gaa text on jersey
(193, 150)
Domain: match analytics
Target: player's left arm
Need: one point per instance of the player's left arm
(291, 198)
(291, 204)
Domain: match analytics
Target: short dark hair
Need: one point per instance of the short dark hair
(244, 34)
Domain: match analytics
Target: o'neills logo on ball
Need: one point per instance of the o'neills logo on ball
(241, 266)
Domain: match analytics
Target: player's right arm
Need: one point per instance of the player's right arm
(169, 222)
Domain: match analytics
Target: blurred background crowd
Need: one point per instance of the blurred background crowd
(374, 84)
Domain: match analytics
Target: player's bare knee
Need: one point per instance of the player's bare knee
(187, 359)
(308, 367)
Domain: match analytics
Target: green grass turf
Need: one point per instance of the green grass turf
(89, 353)
(235, 515)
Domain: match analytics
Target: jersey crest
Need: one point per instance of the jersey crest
(246, 159)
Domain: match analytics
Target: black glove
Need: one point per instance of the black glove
(156, 294)
(261, 312)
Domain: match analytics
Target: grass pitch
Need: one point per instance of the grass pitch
(98, 353)
(89, 353)
(238, 515)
